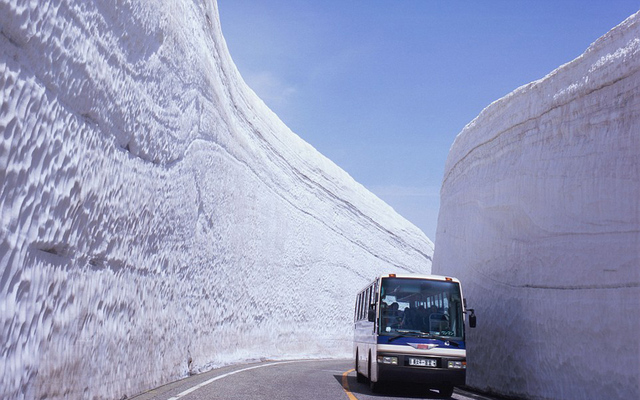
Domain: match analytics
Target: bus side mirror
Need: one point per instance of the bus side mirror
(472, 318)
(372, 314)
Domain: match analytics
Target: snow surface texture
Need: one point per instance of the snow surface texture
(540, 219)
(157, 218)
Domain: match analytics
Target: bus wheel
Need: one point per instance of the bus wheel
(359, 377)
(445, 391)
(374, 386)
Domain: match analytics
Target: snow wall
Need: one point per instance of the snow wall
(540, 219)
(157, 218)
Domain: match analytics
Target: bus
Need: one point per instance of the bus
(411, 328)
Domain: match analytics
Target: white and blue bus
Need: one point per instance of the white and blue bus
(411, 329)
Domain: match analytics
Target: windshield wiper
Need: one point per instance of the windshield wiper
(443, 338)
(405, 334)
(422, 334)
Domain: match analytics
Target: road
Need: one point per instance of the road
(308, 379)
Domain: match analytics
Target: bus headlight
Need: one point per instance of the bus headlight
(457, 364)
(387, 360)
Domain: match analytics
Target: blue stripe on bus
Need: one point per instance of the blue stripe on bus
(405, 340)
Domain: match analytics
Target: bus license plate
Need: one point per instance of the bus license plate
(422, 362)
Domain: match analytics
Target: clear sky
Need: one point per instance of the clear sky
(382, 87)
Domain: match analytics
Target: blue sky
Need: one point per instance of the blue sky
(383, 87)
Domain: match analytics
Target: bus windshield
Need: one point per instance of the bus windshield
(410, 306)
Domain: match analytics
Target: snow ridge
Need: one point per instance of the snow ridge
(540, 220)
(157, 219)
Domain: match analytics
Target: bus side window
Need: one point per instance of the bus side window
(368, 297)
(371, 300)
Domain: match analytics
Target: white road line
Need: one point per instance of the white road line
(205, 383)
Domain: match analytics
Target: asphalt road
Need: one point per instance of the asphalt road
(308, 380)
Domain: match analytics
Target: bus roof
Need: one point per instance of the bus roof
(425, 277)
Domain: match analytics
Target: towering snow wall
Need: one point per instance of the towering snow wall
(540, 219)
(156, 218)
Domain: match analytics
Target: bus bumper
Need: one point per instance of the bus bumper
(402, 372)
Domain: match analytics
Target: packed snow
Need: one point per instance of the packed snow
(540, 219)
(157, 219)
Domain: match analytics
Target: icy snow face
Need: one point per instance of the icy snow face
(540, 219)
(156, 218)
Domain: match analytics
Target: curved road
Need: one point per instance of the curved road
(306, 379)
